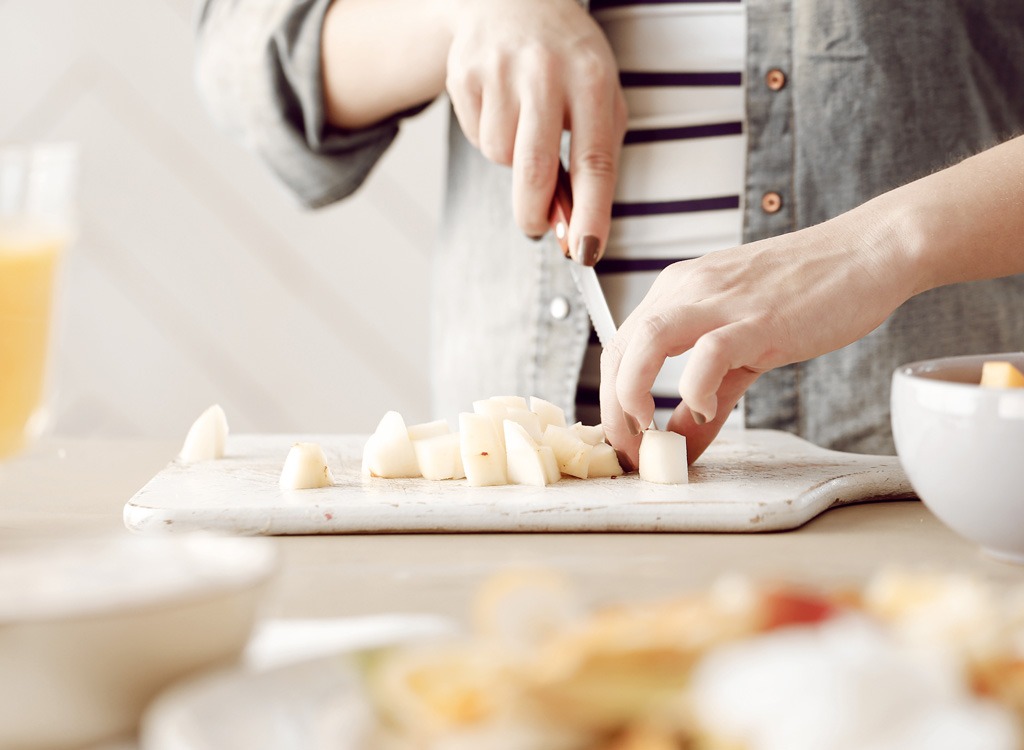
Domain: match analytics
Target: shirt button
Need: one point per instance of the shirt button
(775, 79)
(771, 203)
(559, 308)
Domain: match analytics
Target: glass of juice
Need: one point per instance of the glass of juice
(37, 197)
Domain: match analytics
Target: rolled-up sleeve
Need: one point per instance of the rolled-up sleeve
(258, 71)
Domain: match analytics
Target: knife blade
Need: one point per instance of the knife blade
(585, 277)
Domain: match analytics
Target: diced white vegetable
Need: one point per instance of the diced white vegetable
(483, 454)
(551, 472)
(497, 412)
(547, 411)
(529, 420)
(389, 451)
(525, 465)
(429, 430)
(207, 436)
(589, 434)
(440, 457)
(603, 462)
(305, 468)
(572, 454)
(512, 402)
(663, 458)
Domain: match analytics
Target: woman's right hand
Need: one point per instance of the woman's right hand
(519, 73)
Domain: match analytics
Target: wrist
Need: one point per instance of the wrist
(962, 223)
(912, 232)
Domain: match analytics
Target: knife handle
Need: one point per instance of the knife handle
(561, 209)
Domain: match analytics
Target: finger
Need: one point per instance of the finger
(621, 430)
(699, 437)
(535, 161)
(622, 436)
(656, 334)
(598, 122)
(714, 355)
(464, 91)
(499, 118)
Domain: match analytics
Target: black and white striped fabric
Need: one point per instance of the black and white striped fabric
(682, 170)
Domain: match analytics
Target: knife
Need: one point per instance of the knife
(584, 277)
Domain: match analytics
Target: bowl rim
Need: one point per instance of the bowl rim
(918, 370)
(253, 576)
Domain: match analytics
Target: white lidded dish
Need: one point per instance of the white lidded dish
(92, 629)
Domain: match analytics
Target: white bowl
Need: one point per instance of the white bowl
(91, 630)
(962, 447)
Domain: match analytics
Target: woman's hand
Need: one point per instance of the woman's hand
(519, 73)
(746, 310)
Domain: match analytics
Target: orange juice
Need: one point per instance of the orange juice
(28, 264)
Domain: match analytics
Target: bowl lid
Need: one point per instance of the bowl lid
(64, 578)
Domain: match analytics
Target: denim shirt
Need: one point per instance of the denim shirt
(875, 95)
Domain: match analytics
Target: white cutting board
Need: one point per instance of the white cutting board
(752, 480)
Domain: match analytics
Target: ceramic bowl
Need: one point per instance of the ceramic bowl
(962, 447)
(91, 630)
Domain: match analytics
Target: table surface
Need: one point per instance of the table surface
(79, 487)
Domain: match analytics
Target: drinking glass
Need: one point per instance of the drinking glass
(37, 198)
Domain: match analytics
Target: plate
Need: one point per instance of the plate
(299, 689)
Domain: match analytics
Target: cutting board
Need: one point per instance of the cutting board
(748, 480)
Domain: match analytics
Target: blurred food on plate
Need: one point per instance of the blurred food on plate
(912, 660)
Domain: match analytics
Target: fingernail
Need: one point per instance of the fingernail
(698, 418)
(588, 251)
(625, 462)
(631, 424)
(535, 237)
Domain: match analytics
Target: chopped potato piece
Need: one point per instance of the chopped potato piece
(305, 468)
(542, 448)
(591, 434)
(572, 454)
(525, 461)
(663, 458)
(483, 453)
(547, 411)
(207, 437)
(440, 457)
(389, 451)
(603, 462)
(1001, 375)
(429, 429)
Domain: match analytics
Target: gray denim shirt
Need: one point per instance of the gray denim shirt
(876, 95)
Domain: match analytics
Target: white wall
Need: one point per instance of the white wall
(195, 278)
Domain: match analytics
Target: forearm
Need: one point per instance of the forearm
(380, 57)
(964, 223)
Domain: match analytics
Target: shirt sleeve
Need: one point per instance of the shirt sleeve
(258, 72)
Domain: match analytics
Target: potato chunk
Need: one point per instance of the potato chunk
(663, 458)
(1001, 375)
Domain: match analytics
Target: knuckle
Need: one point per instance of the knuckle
(497, 65)
(594, 70)
(652, 328)
(711, 346)
(598, 162)
(539, 62)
